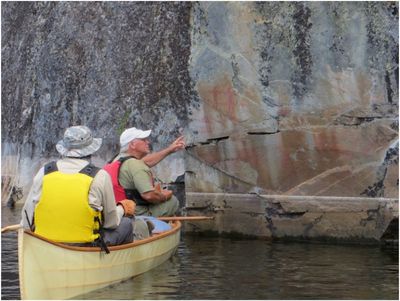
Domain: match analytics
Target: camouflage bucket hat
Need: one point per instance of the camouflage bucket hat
(78, 142)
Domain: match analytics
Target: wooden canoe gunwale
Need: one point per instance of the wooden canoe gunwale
(176, 225)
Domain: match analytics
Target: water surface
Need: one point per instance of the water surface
(221, 268)
(217, 268)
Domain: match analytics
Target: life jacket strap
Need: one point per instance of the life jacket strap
(31, 225)
(123, 159)
(100, 241)
(90, 170)
(50, 167)
(133, 194)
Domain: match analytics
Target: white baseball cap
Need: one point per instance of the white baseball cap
(132, 133)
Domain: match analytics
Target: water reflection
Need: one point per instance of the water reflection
(9, 256)
(216, 268)
(219, 268)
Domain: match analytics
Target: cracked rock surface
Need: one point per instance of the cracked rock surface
(295, 98)
(274, 98)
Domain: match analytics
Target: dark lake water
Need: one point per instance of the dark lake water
(221, 268)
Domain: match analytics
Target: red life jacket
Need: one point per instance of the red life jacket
(113, 171)
(120, 192)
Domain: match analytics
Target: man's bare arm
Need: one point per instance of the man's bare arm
(155, 196)
(154, 158)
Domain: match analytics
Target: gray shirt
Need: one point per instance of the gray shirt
(101, 194)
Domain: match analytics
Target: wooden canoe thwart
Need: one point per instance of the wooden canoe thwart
(49, 270)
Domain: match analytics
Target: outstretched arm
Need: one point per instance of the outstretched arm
(154, 158)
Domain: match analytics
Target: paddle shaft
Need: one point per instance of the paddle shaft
(10, 228)
(164, 218)
(184, 218)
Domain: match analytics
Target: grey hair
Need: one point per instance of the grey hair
(124, 148)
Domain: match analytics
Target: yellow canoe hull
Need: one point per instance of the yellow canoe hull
(49, 270)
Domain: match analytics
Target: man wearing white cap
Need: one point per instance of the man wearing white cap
(133, 178)
(72, 201)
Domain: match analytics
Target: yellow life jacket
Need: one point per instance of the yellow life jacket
(63, 213)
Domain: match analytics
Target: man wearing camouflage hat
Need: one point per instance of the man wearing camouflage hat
(72, 201)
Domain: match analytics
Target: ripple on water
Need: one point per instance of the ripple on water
(9, 267)
(219, 268)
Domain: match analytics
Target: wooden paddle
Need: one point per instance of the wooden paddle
(184, 218)
(10, 228)
(163, 218)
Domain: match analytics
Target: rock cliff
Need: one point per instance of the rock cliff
(108, 65)
(298, 109)
(274, 98)
(296, 98)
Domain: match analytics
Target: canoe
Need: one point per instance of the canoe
(50, 270)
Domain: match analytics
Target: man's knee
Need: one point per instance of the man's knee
(169, 208)
(142, 210)
(140, 229)
(174, 205)
(122, 235)
(126, 229)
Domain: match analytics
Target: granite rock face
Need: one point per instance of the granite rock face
(108, 65)
(297, 99)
